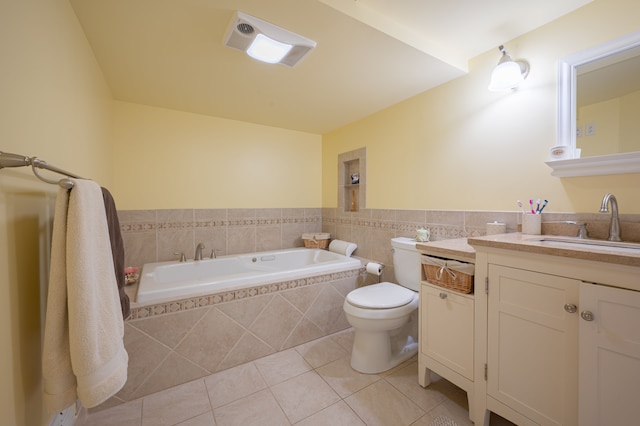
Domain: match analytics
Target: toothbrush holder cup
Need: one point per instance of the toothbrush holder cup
(532, 224)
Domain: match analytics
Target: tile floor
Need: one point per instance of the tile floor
(311, 384)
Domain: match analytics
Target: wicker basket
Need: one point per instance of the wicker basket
(318, 240)
(450, 274)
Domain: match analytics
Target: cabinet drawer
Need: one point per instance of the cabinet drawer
(447, 326)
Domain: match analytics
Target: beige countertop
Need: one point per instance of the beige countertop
(532, 244)
(456, 248)
(463, 248)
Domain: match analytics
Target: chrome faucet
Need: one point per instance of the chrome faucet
(614, 227)
(199, 249)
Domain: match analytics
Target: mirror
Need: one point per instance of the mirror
(599, 110)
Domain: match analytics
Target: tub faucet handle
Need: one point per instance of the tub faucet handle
(582, 232)
(183, 258)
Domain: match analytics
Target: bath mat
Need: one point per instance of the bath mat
(443, 421)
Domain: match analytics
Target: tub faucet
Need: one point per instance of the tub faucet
(614, 227)
(199, 249)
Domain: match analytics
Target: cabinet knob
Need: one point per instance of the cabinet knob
(443, 295)
(571, 308)
(587, 315)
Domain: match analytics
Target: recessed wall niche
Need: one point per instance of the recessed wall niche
(352, 179)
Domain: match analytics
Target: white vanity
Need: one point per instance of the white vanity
(556, 337)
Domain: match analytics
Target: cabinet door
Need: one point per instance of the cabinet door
(609, 363)
(446, 332)
(532, 344)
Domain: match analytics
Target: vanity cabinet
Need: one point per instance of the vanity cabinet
(446, 330)
(446, 335)
(532, 342)
(609, 363)
(556, 348)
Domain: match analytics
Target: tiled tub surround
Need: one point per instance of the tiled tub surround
(175, 342)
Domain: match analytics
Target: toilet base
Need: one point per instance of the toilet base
(372, 352)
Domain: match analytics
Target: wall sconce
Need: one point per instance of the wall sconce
(508, 74)
(266, 42)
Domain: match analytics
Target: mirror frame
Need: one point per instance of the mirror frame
(567, 81)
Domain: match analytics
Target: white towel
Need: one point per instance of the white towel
(83, 356)
(342, 247)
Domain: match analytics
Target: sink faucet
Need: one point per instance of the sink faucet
(614, 227)
(199, 249)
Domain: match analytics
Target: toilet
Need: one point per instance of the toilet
(384, 316)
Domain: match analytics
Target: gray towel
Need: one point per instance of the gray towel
(117, 249)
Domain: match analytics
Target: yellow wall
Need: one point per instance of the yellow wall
(172, 159)
(460, 146)
(54, 104)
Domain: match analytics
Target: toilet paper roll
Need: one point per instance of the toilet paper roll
(342, 247)
(374, 268)
(494, 228)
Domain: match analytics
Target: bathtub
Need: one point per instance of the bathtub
(175, 280)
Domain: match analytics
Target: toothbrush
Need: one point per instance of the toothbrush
(520, 205)
(538, 206)
(531, 204)
(544, 204)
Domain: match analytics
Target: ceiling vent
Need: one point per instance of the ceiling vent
(251, 35)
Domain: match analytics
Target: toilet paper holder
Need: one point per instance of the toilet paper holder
(375, 269)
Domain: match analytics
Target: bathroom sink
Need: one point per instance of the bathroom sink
(569, 242)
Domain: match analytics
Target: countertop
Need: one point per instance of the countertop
(463, 249)
(456, 248)
(532, 244)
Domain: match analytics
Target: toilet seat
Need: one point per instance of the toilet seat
(381, 296)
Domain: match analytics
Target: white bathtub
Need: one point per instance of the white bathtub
(176, 280)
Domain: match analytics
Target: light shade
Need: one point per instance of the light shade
(508, 74)
(266, 42)
(268, 50)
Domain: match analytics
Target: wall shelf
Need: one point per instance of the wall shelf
(352, 196)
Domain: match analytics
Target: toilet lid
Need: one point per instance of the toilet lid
(380, 296)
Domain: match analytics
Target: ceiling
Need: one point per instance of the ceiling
(370, 54)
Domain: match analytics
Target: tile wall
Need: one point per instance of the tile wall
(155, 235)
(174, 342)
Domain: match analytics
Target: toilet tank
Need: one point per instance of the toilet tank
(406, 262)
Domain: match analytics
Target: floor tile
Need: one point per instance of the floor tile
(232, 384)
(175, 405)
(205, 419)
(281, 366)
(127, 414)
(312, 384)
(406, 381)
(344, 379)
(260, 408)
(304, 395)
(338, 414)
(451, 410)
(380, 404)
(322, 351)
